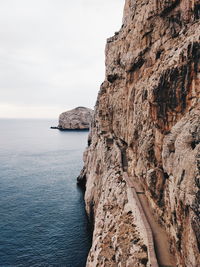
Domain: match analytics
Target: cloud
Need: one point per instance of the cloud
(52, 52)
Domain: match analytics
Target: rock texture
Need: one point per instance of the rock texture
(147, 124)
(75, 119)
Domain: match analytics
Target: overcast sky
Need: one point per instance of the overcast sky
(52, 54)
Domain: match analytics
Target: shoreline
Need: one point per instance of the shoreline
(70, 130)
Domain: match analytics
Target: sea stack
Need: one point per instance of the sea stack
(76, 119)
(143, 157)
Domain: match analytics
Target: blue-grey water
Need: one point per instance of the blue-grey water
(42, 216)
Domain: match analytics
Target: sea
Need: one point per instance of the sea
(42, 214)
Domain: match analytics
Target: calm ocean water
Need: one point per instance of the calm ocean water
(42, 216)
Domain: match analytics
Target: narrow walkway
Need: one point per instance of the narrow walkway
(161, 242)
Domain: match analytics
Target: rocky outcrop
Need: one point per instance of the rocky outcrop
(76, 119)
(146, 124)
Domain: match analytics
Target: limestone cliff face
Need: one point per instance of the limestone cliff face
(76, 119)
(147, 123)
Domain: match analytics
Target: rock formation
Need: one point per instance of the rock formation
(75, 119)
(147, 125)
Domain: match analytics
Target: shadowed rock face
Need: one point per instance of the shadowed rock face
(149, 108)
(76, 119)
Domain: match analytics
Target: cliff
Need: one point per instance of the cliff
(76, 119)
(146, 132)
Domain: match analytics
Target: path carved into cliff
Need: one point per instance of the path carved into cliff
(160, 239)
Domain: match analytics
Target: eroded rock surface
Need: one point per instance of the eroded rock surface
(146, 123)
(76, 119)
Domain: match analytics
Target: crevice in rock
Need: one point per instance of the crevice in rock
(122, 145)
(197, 11)
(112, 77)
(194, 144)
(158, 53)
(91, 215)
(182, 177)
(81, 179)
(139, 62)
(169, 8)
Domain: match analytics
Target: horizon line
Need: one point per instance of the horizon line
(26, 118)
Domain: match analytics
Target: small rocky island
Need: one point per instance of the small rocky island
(76, 119)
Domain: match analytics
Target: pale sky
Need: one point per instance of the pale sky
(52, 54)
